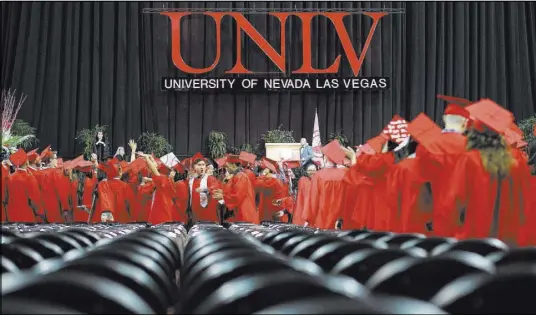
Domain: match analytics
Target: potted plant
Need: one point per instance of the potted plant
(217, 144)
(338, 135)
(153, 143)
(15, 132)
(246, 147)
(88, 138)
(280, 145)
(527, 126)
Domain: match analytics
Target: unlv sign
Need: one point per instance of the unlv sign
(278, 58)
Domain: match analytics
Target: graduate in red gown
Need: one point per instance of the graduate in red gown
(409, 192)
(304, 193)
(270, 188)
(85, 188)
(116, 201)
(23, 198)
(488, 188)
(248, 161)
(371, 172)
(326, 205)
(438, 156)
(203, 206)
(54, 187)
(237, 193)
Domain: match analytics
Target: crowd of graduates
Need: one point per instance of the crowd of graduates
(473, 178)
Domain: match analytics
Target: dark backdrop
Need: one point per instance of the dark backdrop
(101, 62)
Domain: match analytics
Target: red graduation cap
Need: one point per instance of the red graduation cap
(491, 114)
(232, 159)
(111, 169)
(84, 166)
(424, 130)
(247, 157)
(46, 153)
(367, 149)
(376, 143)
(396, 130)
(18, 158)
(334, 152)
(60, 163)
(79, 158)
(198, 157)
(221, 162)
(269, 164)
(457, 110)
(179, 168)
(291, 164)
(137, 165)
(454, 100)
(521, 144)
(512, 137)
(32, 155)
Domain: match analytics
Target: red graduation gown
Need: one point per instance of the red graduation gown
(325, 204)
(239, 196)
(490, 210)
(269, 189)
(437, 160)
(144, 196)
(55, 190)
(371, 204)
(410, 202)
(181, 201)
(117, 197)
(22, 188)
(162, 209)
(251, 175)
(210, 212)
(304, 187)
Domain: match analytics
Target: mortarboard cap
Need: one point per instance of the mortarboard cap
(454, 100)
(334, 152)
(457, 110)
(247, 157)
(46, 153)
(377, 143)
(232, 159)
(169, 160)
(490, 114)
(221, 162)
(424, 130)
(512, 137)
(137, 165)
(516, 129)
(198, 157)
(60, 163)
(396, 129)
(179, 168)
(18, 158)
(32, 155)
(292, 164)
(269, 164)
(111, 170)
(367, 149)
(84, 166)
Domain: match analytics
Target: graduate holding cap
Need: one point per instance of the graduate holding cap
(488, 188)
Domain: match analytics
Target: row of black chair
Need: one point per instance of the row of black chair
(98, 269)
(458, 276)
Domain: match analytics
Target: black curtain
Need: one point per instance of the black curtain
(83, 63)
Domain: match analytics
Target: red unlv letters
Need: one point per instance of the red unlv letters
(243, 24)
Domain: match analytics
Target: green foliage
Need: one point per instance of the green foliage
(217, 144)
(278, 136)
(24, 132)
(298, 173)
(153, 143)
(87, 137)
(246, 147)
(338, 135)
(527, 125)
